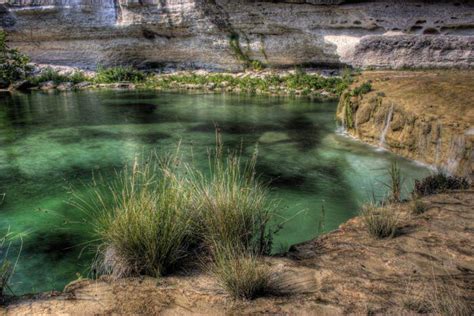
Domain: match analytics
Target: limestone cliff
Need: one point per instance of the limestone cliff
(224, 34)
(422, 115)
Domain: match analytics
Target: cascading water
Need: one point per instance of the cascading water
(388, 119)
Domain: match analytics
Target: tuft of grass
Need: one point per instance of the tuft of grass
(395, 182)
(234, 206)
(438, 297)
(381, 222)
(119, 74)
(7, 267)
(242, 274)
(439, 183)
(143, 220)
(417, 206)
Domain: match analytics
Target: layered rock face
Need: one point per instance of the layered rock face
(426, 116)
(225, 34)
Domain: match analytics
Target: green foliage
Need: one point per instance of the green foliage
(143, 220)
(152, 215)
(439, 183)
(364, 88)
(234, 44)
(78, 77)
(381, 222)
(395, 182)
(271, 83)
(119, 74)
(13, 64)
(48, 74)
(234, 207)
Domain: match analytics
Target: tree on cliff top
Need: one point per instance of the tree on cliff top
(13, 64)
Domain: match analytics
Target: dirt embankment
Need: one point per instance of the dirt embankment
(346, 271)
(422, 115)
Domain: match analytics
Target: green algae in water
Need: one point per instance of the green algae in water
(50, 142)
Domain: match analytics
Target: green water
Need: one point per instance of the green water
(49, 142)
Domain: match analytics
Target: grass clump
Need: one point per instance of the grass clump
(436, 297)
(143, 220)
(418, 207)
(50, 74)
(242, 274)
(119, 74)
(439, 183)
(395, 182)
(7, 267)
(234, 207)
(381, 222)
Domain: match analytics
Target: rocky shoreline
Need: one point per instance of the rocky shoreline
(343, 272)
(266, 82)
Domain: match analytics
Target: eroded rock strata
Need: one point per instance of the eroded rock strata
(343, 272)
(225, 34)
(422, 115)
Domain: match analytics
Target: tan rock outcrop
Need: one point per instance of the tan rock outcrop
(423, 115)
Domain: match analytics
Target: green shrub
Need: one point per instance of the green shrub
(364, 88)
(119, 74)
(257, 65)
(143, 220)
(381, 222)
(242, 274)
(234, 207)
(13, 64)
(49, 74)
(78, 77)
(439, 183)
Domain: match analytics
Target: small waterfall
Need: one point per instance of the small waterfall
(388, 119)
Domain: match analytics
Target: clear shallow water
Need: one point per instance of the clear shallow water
(49, 142)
